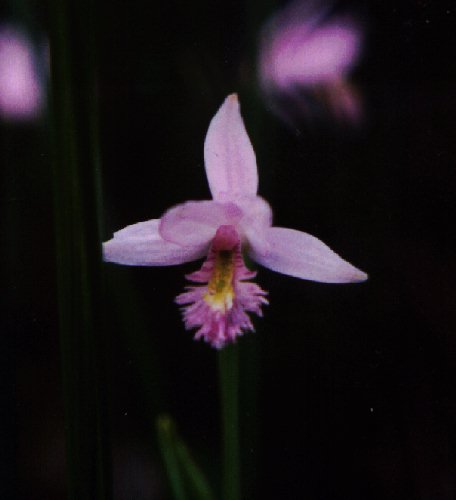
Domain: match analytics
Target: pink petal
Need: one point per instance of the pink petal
(256, 221)
(257, 212)
(141, 245)
(228, 154)
(194, 223)
(302, 255)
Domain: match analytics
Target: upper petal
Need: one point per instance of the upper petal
(228, 154)
(302, 255)
(195, 222)
(141, 245)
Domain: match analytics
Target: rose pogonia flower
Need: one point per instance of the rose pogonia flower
(306, 48)
(21, 89)
(235, 220)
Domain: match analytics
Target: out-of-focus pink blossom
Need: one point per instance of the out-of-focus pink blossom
(306, 48)
(21, 88)
(235, 220)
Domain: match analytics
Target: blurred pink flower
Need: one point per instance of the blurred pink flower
(306, 48)
(235, 219)
(21, 89)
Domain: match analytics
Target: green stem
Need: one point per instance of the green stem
(228, 360)
(76, 188)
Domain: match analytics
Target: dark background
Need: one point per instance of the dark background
(347, 391)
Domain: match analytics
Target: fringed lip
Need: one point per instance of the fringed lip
(218, 307)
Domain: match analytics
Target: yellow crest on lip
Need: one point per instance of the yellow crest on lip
(220, 293)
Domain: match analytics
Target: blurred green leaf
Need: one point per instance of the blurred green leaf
(74, 135)
(183, 472)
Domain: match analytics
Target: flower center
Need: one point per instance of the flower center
(220, 292)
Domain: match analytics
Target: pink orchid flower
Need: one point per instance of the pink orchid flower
(235, 220)
(305, 47)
